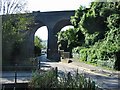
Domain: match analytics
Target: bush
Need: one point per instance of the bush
(100, 25)
(38, 46)
(51, 79)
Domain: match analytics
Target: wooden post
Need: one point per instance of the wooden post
(15, 73)
(15, 77)
(14, 88)
(56, 72)
(39, 64)
(3, 87)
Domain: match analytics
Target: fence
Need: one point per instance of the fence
(14, 75)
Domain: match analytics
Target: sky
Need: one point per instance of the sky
(56, 5)
(53, 5)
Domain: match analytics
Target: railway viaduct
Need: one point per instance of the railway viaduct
(54, 21)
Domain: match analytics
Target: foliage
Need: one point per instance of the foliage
(44, 44)
(50, 79)
(96, 34)
(66, 41)
(38, 46)
(37, 42)
(101, 28)
(12, 37)
(65, 38)
(78, 14)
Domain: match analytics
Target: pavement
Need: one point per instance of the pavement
(107, 79)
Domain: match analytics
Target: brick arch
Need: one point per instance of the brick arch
(54, 21)
(59, 25)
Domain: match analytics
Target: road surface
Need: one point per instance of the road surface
(104, 78)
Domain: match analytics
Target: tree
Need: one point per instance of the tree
(12, 6)
(101, 28)
(69, 39)
(78, 14)
(12, 26)
(12, 36)
(37, 42)
(38, 46)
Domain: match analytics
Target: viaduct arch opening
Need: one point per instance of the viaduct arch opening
(67, 27)
(64, 47)
(40, 41)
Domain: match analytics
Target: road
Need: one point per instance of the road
(104, 78)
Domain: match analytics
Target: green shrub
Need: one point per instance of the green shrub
(83, 54)
(51, 79)
(100, 25)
